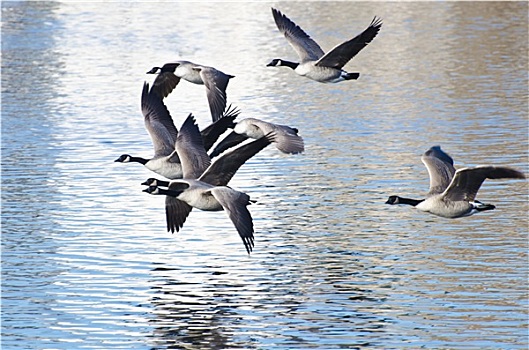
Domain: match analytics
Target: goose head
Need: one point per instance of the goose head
(150, 182)
(152, 190)
(124, 158)
(154, 70)
(276, 62)
(393, 200)
(168, 67)
(155, 182)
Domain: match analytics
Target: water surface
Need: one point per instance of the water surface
(86, 261)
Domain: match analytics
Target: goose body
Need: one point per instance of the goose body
(204, 185)
(168, 167)
(452, 193)
(286, 139)
(215, 81)
(314, 63)
(203, 196)
(163, 133)
(447, 208)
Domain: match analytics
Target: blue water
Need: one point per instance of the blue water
(86, 260)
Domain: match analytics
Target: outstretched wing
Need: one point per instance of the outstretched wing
(440, 167)
(166, 80)
(190, 149)
(306, 48)
(235, 204)
(232, 140)
(224, 168)
(216, 83)
(211, 133)
(286, 139)
(176, 213)
(158, 122)
(467, 181)
(343, 53)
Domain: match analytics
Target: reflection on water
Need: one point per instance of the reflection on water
(86, 260)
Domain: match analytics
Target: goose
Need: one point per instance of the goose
(314, 63)
(286, 138)
(216, 82)
(160, 126)
(204, 184)
(452, 192)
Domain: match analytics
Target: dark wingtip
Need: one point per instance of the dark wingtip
(376, 22)
(271, 136)
(231, 112)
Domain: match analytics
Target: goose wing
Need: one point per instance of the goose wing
(190, 149)
(224, 168)
(235, 204)
(166, 80)
(288, 142)
(440, 167)
(176, 211)
(216, 83)
(306, 48)
(286, 139)
(233, 139)
(211, 134)
(467, 181)
(158, 122)
(343, 53)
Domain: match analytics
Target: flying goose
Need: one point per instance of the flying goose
(314, 63)
(160, 126)
(204, 185)
(452, 193)
(216, 82)
(286, 138)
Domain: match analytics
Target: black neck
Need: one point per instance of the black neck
(139, 160)
(290, 64)
(409, 201)
(162, 183)
(170, 193)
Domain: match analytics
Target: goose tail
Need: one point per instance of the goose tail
(351, 76)
(477, 205)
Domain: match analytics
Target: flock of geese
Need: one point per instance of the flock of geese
(200, 180)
